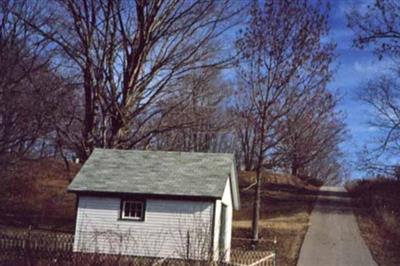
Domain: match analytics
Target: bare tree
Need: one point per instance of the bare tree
(378, 26)
(125, 54)
(282, 58)
(200, 115)
(383, 97)
(330, 169)
(30, 90)
(313, 129)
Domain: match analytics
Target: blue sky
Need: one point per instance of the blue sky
(354, 67)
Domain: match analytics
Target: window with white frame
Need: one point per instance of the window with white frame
(132, 210)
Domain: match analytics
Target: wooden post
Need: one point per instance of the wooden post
(28, 246)
(275, 250)
(188, 245)
(256, 209)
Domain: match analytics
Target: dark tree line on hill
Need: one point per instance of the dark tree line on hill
(378, 27)
(166, 75)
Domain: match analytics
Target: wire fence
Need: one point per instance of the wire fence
(43, 248)
(39, 221)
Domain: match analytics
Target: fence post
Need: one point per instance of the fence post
(275, 250)
(28, 246)
(187, 245)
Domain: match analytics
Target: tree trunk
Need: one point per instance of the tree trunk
(89, 116)
(294, 169)
(256, 209)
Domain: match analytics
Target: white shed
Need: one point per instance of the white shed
(156, 204)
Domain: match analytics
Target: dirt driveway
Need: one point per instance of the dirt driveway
(333, 237)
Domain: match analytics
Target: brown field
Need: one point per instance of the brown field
(37, 196)
(377, 210)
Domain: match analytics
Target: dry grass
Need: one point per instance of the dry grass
(37, 188)
(377, 210)
(286, 206)
(275, 179)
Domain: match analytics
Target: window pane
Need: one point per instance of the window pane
(134, 214)
(139, 210)
(126, 208)
(133, 209)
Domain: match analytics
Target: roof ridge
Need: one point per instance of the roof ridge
(161, 151)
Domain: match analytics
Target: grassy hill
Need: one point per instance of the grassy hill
(377, 209)
(36, 195)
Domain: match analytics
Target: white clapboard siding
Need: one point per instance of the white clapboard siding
(163, 233)
(227, 200)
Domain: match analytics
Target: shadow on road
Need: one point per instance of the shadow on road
(333, 200)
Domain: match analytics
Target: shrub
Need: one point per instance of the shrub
(314, 181)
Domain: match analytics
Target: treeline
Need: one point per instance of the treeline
(208, 76)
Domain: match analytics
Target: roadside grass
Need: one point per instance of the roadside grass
(377, 208)
(286, 206)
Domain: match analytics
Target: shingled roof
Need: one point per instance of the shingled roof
(156, 172)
